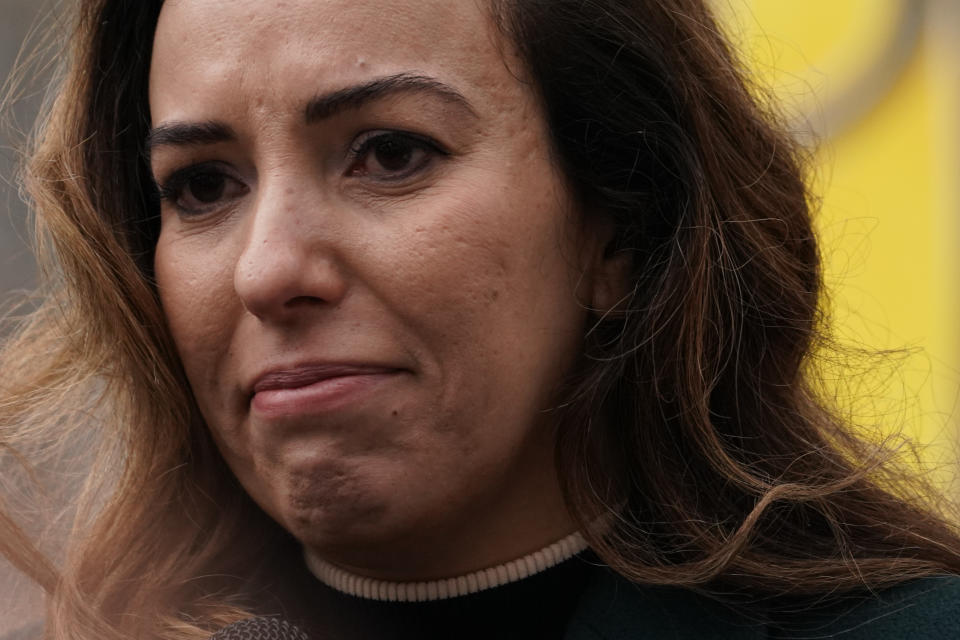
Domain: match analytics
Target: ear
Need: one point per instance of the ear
(608, 271)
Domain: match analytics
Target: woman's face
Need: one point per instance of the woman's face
(372, 271)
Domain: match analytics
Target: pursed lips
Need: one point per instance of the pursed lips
(314, 386)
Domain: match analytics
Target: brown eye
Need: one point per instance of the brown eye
(206, 188)
(392, 155)
(200, 189)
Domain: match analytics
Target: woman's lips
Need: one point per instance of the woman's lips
(315, 389)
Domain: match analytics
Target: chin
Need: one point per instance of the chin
(333, 505)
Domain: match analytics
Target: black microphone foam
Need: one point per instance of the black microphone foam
(260, 628)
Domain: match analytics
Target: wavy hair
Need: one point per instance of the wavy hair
(691, 444)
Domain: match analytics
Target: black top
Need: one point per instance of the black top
(539, 606)
(579, 600)
(582, 600)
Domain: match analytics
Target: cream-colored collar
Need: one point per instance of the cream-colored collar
(373, 589)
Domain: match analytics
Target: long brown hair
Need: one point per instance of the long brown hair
(712, 446)
(692, 445)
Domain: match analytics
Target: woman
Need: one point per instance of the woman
(396, 300)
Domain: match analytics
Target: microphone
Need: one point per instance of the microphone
(260, 628)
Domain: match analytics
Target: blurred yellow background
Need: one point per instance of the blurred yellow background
(877, 84)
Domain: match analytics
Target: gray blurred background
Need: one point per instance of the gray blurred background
(17, 17)
(19, 600)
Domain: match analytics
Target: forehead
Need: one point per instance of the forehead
(299, 47)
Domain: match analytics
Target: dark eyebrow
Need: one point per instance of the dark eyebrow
(327, 105)
(180, 134)
(321, 107)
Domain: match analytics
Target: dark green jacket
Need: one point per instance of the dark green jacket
(614, 609)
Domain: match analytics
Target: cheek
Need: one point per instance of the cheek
(489, 278)
(494, 250)
(195, 286)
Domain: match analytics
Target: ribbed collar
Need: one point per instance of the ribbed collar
(373, 589)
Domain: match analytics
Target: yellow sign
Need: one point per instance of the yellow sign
(874, 86)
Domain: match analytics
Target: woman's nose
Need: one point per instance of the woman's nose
(288, 260)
